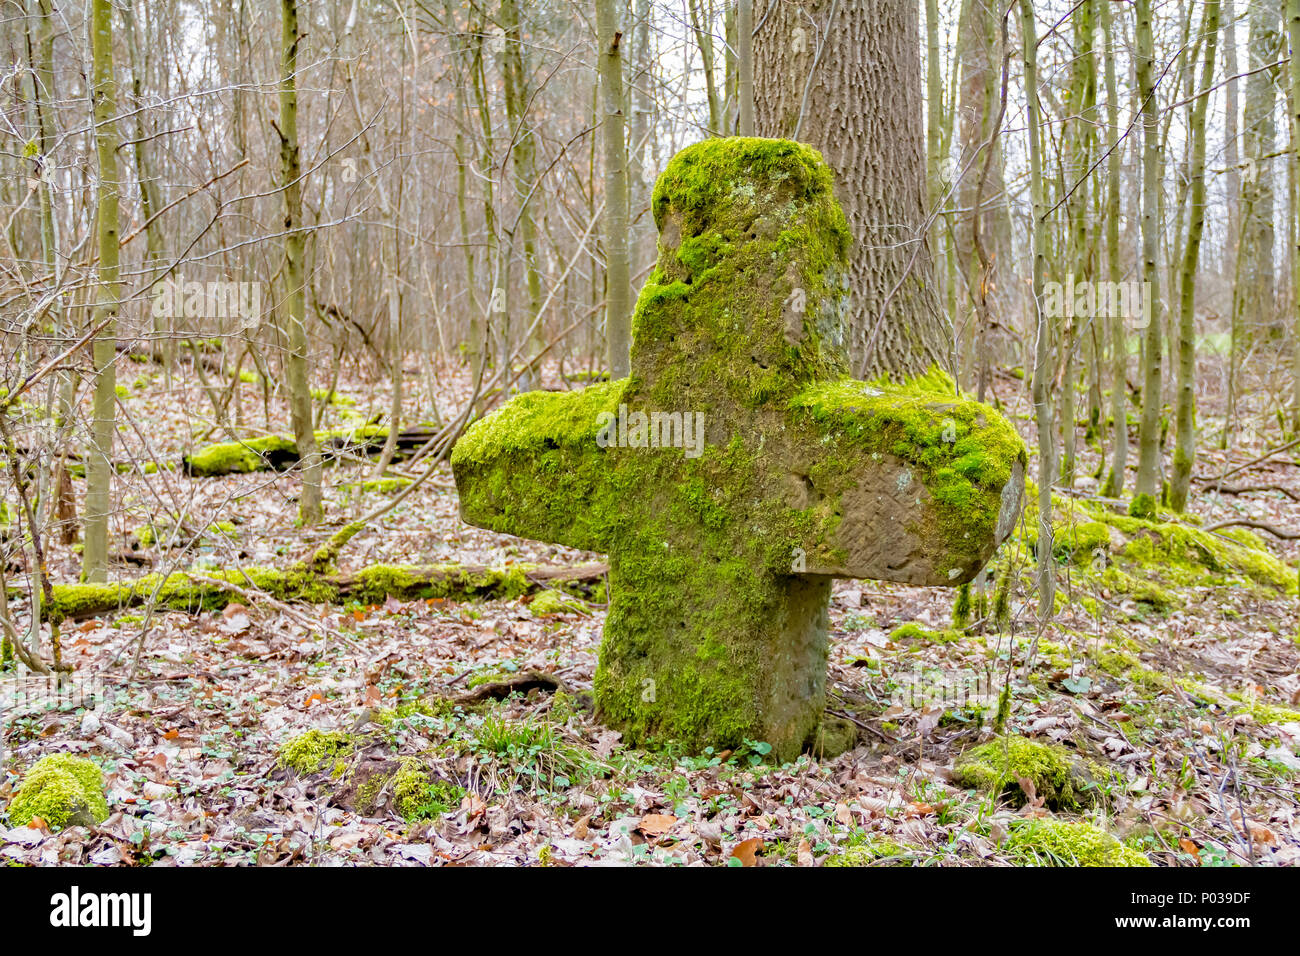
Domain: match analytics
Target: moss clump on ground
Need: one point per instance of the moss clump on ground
(870, 853)
(150, 534)
(308, 753)
(1145, 558)
(419, 798)
(1061, 778)
(61, 790)
(1057, 843)
(275, 452)
(914, 633)
(553, 602)
(382, 486)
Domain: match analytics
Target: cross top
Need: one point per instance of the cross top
(739, 470)
(752, 257)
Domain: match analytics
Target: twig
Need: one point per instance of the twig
(1258, 525)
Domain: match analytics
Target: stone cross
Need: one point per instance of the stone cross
(738, 470)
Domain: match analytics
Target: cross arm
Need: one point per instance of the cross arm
(533, 468)
(911, 483)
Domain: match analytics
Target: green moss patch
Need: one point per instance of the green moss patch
(1057, 843)
(1146, 557)
(1058, 776)
(874, 852)
(62, 790)
(310, 752)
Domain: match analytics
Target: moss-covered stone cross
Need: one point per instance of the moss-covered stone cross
(722, 554)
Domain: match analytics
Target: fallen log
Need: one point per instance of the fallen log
(180, 591)
(279, 452)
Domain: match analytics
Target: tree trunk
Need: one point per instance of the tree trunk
(294, 308)
(618, 282)
(1293, 31)
(1258, 134)
(1147, 493)
(1185, 451)
(745, 66)
(1040, 390)
(524, 167)
(852, 89)
(99, 466)
(1115, 480)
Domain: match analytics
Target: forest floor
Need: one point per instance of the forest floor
(1182, 697)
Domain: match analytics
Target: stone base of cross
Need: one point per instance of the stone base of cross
(739, 469)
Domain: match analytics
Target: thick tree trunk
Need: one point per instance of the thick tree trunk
(1259, 130)
(851, 87)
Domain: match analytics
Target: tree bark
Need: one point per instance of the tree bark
(618, 282)
(1147, 490)
(99, 467)
(851, 87)
(1040, 391)
(294, 307)
(1116, 479)
(1185, 415)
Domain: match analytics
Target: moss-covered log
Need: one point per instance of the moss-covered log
(279, 452)
(205, 592)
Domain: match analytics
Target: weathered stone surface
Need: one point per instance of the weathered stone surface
(722, 551)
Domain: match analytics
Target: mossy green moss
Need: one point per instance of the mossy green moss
(1061, 778)
(419, 798)
(1058, 843)
(373, 585)
(275, 452)
(60, 789)
(309, 753)
(182, 592)
(377, 582)
(871, 853)
(1143, 506)
(553, 602)
(381, 486)
(234, 457)
(1144, 558)
(913, 633)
